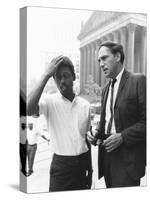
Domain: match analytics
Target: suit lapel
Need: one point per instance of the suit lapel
(124, 78)
(106, 95)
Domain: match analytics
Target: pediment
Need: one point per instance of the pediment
(98, 19)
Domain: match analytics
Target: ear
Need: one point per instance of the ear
(118, 57)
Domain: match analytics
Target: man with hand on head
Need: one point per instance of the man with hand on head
(121, 134)
(68, 119)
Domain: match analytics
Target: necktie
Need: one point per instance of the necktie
(111, 106)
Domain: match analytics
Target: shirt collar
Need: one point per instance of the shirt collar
(65, 99)
(118, 77)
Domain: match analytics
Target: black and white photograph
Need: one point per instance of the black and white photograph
(74, 99)
(82, 99)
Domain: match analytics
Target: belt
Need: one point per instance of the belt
(77, 157)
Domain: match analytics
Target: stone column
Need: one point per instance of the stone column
(116, 36)
(131, 39)
(109, 37)
(81, 69)
(138, 54)
(102, 76)
(143, 51)
(123, 41)
(90, 60)
(93, 61)
(97, 68)
(85, 64)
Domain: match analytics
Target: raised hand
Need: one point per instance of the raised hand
(51, 69)
(91, 139)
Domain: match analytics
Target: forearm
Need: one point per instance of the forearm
(33, 98)
(35, 94)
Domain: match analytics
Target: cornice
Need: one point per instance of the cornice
(114, 22)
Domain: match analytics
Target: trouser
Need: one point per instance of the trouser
(31, 155)
(23, 155)
(70, 172)
(117, 176)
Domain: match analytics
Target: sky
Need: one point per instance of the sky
(51, 32)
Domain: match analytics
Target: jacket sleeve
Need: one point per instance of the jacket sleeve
(137, 132)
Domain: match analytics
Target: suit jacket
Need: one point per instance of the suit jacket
(130, 120)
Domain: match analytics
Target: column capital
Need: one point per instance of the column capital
(97, 42)
(115, 32)
(93, 46)
(81, 49)
(116, 35)
(122, 29)
(109, 36)
(144, 30)
(88, 46)
(131, 45)
(131, 27)
(102, 39)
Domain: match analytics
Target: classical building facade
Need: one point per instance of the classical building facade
(129, 29)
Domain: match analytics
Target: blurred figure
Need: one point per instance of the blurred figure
(28, 139)
(23, 144)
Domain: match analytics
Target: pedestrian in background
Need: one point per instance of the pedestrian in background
(29, 134)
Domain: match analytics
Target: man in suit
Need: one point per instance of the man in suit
(121, 134)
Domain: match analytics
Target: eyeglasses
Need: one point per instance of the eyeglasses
(24, 126)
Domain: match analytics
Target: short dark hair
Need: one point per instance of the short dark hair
(114, 48)
(68, 63)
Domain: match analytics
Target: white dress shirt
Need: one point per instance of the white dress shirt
(108, 112)
(68, 123)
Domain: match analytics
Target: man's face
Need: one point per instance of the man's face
(64, 80)
(108, 62)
